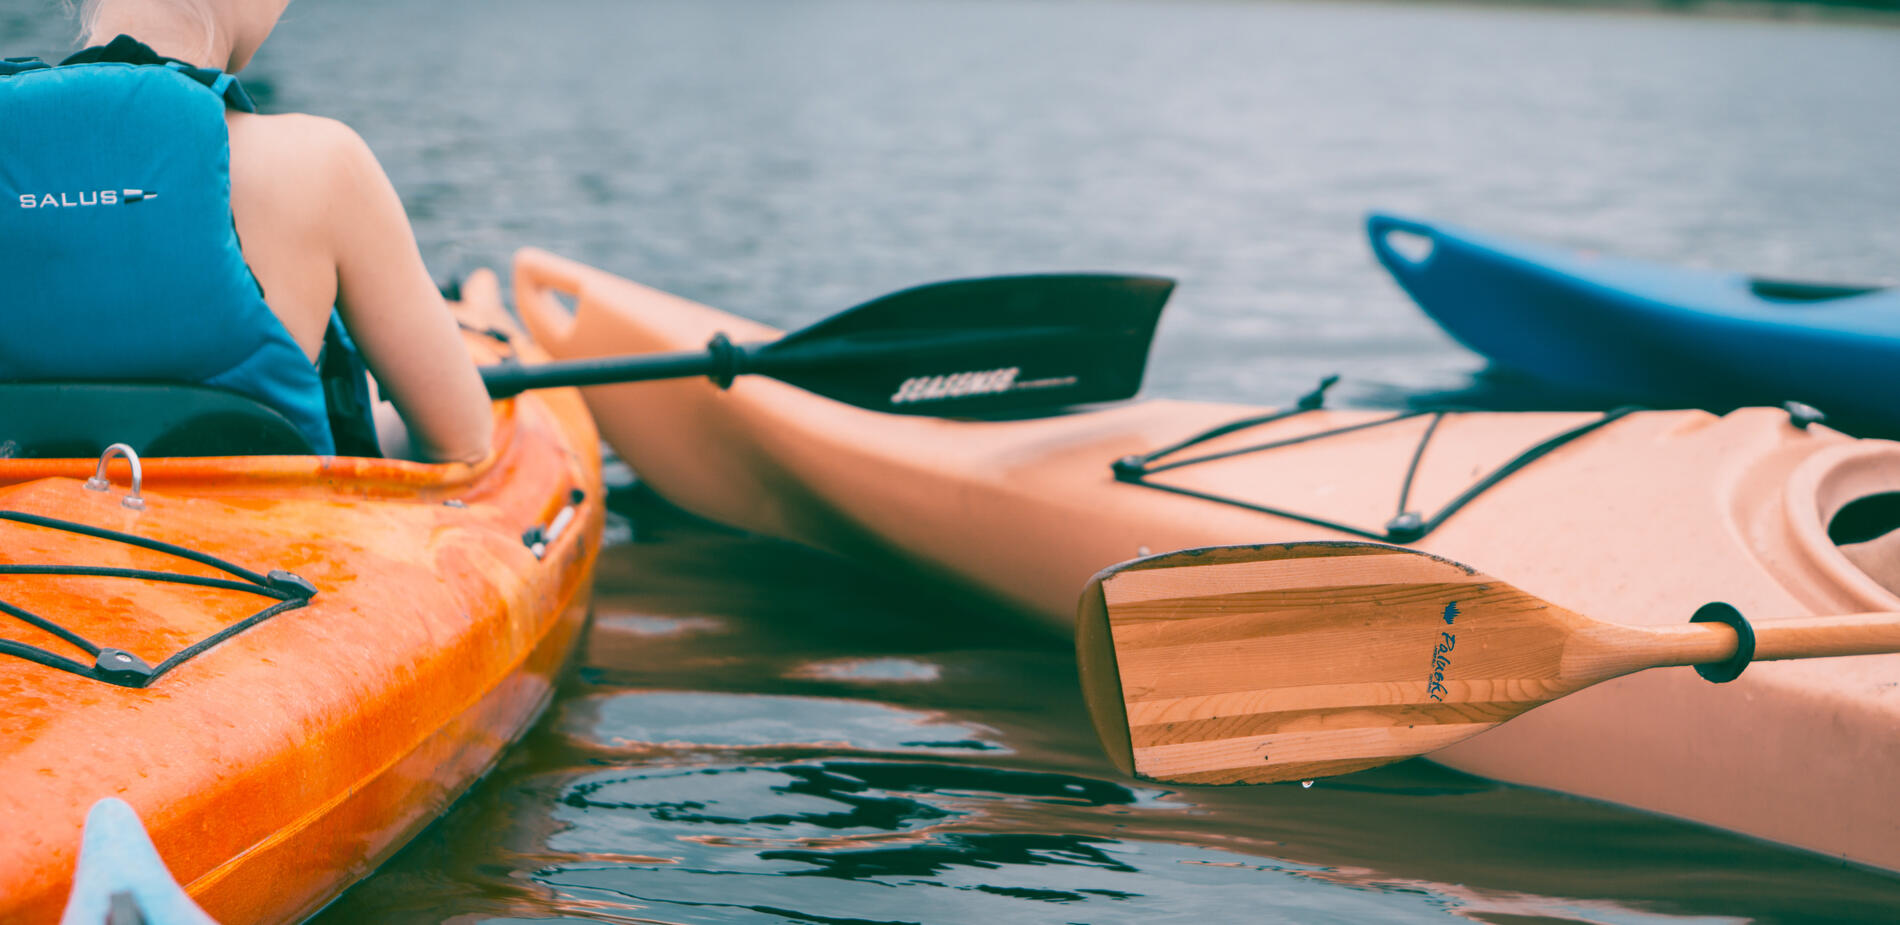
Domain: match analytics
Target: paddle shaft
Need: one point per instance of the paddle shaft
(508, 379)
(722, 360)
(1799, 637)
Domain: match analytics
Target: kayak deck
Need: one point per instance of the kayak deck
(283, 763)
(1641, 521)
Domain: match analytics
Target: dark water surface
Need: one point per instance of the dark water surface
(787, 158)
(758, 733)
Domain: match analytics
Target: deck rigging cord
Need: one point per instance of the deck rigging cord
(117, 666)
(1406, 526)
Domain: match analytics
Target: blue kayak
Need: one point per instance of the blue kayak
(1650, 332)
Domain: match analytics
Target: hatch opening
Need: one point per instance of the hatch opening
(1784, 290)
(1867, 530)
(1413, 247)
(1865, 519)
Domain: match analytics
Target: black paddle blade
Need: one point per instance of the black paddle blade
(980, 346)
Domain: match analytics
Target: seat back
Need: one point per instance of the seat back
(46, 420)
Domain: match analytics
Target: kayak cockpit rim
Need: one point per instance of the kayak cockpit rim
(369, 477)
(1835, 480)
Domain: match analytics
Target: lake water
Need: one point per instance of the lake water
(758, 733)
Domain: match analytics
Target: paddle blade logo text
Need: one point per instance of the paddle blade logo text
(955, 385)
(1441, 660)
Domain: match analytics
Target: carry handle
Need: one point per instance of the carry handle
(539, 275)
(1380, 227)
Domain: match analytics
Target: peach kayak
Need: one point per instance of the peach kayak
(1639, 517)
(285, 665)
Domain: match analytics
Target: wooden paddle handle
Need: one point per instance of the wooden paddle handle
(1819, 637)
(1798, 637)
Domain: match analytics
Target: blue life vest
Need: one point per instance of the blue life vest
(119, 258)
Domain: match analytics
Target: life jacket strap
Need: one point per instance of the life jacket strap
(346, 393)
(224, 85)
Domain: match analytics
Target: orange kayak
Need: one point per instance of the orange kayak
(287, 665)
(1639, 518)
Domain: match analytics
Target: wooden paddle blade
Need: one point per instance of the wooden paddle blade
(1251, 664)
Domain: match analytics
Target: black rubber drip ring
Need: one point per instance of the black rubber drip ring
(1726, 671)
(725, 357)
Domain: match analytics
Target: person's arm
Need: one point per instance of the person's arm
(395, 313)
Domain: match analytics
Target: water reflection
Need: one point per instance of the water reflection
(869, 670)
(692, 720)
(894, 841)
(862, 841)
(697, 770)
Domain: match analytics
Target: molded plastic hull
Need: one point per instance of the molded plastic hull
(284, 763)
(1641, 521)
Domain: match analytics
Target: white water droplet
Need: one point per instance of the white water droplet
(1306, 784)
(1142, 551)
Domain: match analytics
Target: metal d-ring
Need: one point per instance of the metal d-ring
(99, 482)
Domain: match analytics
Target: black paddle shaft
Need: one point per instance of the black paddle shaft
(964, 347)
(506, 379)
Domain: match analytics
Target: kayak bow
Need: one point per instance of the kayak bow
(1639, 330)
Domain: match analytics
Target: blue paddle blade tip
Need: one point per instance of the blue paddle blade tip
(120, 877)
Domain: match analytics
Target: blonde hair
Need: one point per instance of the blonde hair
(87, 12)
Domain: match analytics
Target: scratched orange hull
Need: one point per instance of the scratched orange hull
(284, 763)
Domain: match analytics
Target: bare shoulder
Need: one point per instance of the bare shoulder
(298, 140)
(309, 172)
(302, 188)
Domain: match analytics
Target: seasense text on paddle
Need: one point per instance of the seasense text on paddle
(956, 385)
(965, 385)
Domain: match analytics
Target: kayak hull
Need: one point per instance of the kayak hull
(390, 807)
(282, 764)
(1641, 521)
(1630, 328)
